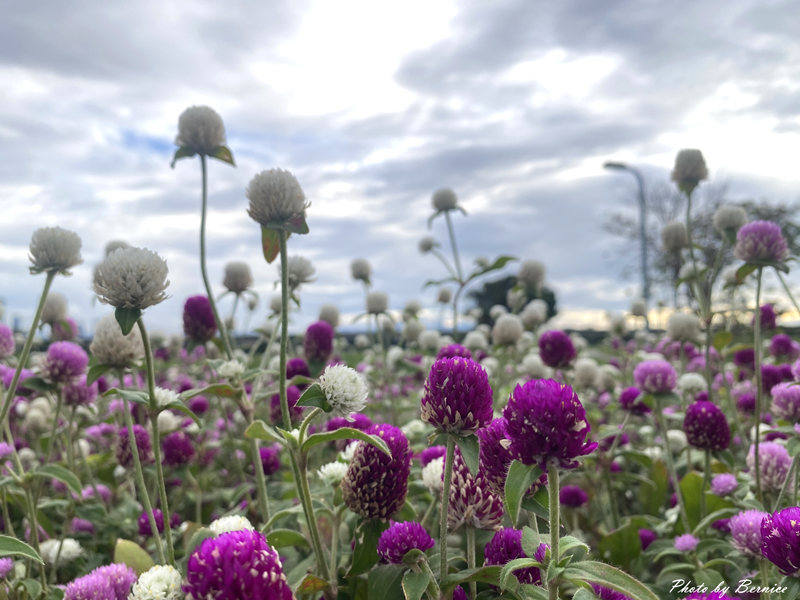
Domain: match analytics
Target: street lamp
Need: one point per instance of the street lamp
(619, 166)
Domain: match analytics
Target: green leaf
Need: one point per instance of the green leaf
(261, 431)
(314, 396)
(38, 384)
(32, 587)
(569, 543)
(133, 555)
(707, 577)
(135, 396)
(270, 243)
(202, 533)
(583, 594)
(438, 282)
(224, 154)
(310, 584)
(596, 572)
(223, 390)
(507, 572)
(182, 152)
(297, 224)
(414, 584)
(622, 546)
(345, 433)
(181, 407)
(279, 538)
(470, 451)
(714, 516)
(96, 372)
(743, 271)
(385, 582)
(488, 574)
(519, 479)
(127, 317)
(365, 553)
(63, 474)
(691, 489)
(721, 339)
(10, 546)
(499, 263)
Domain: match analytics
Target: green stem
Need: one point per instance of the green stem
(434, 593)
(706, 480)
(555, 525)
(301, 477)
(473, 586)
(457, 261)
(448, 476)
(261, 480)
(788, 291)
(759, 393)
(287, 420)
(789, 477)
(162, 487)
(673, 473)
(223, 333)
(26, 349)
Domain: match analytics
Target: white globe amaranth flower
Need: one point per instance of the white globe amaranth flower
(377, 303)
(230, 523)
(330, 314)
(167, 421)
(430, 340)
(475, 340)
(689, 271)
(36, 420)
(444, 296)
(275, 198)
(578, 341)
(238, 277)
(132, 278)
(497, 311)
(507, 330)
(347, 454)
(361, 270)
(70, 550)
(412, 330)
(54, 249)
(275, 304)
(674, 237)
(533, 366)
(161, 582)
(200, 129)
(444, 199)
(490, 365)
(361, 341)
(393, 356)
(534, 314)
(412, 309)
(638, 308)
(344, 388)
(585, 373)
(115, 245)
(230, 369)
(683, 327)
(691, 383)
(531, 274)
(426, 244)
(165, 397)
(414, 428)
(110, 347)
(607, 377)
(516, 298)
(54, 309)
(728, 219)
(28, 458)
(677, 439)
(690, 169)
(299, 271)
(332, 473)
(432, 475)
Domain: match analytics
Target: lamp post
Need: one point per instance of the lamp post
(619, 166)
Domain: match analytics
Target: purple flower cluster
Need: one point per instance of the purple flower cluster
(780, 540)
(473, 501)
(453, 351)
(270, 458)
(572, 496)
(786, 401)
(7, 343)
(77, 393)
(178, 448)
(199, 324)
(724, 484)
(457, 397)
(629, 400)
(297, 366)
(65, 330)
(433, 453)
(64, 362)
(556, 349)
(400, 538)
(292, 396)
(142, 437)
(706, 427)
(505, 546)
(111, 582)
(745, 529)
(760, 242)
(655, 376)
(318, 341)
(774, 462)
(604, 593)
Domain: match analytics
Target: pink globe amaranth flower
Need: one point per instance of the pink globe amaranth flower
(473, 502)
(547, 425)
(77, 393)
(238, 565)
(629, 400)
(760, 242)
(745, 529)
(655, 376)
(780, 540)
(270, 458)
(297, 366)
(457, 397)
(318, 341)
(686, 542)
(453, 351)
(505, 546)
(572, 496)
(774, 462)
(82, 526)
(292, 396)
(706, 427)
(400, 538)
(556, 349)
(142, 437)
(199, 324)
(6, 564)
(647, 537)
(110, 582)
(65, 330)
(144, 522)
(604, 593)
(431, 453)
(178, 448)
(724, 484)
(786, 401)
(375, 484)
(7, 343)
(64, 362)
(103, 491)
(7, 374)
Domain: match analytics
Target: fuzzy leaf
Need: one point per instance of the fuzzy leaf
(519, 479)
(127, 317)
(414, 584)
(182, 152)
(270, 243)
(96, 372)
(63, 474)
(345, 433)
(470, 451)
(261, 431)
(10, 546)
(279, 538)
(592, 571)
(133, 555)
(314, 396)
(224, 154)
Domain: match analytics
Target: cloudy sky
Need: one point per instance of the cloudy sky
(515, 104)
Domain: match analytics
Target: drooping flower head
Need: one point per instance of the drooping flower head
(54, 249)
(505, 546)
(457, 397)
(655, 376)
(400, 538)
(375, 485)
(64, 362)
(132, 278)
(200, 129)
(745, 529)
(706, 427)
(199, 324)
(761, 242)
(276, 198)
(239, 565)
(556, 349)
(318, 341)
(547, 425)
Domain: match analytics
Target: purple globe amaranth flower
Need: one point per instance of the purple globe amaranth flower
(547, 425)
(774, 462)
(629, 400)
(431, 453)
(110, 582)
(198, 405)
(400, 538)
(318, 341)
(745, 529)
(77, 393)
(655, 376)
(724, 484)
(64, 362)
(65, 330)
(647, 537)
(142, 437)
(473, 501)
(760, 242)
(457, 397)
(100, 489)
(769, 319)
(453, 351)
(783, 347)
(79, 525)
(556, 349)
(292, 396)
(199, 324)
(270, 458)
(686, 542)
(706, 427)
(459, 593)
(178, 448)
(573, 496)
(238, 565)
(7, 343)
(780, 540)
(375, 484)
(786, 401)
(604, 593)
(745, 359)
(505, 546)
(297, 366)
(495, 456)
(144, 522)
(6, 564)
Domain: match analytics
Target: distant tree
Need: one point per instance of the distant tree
(496, 292)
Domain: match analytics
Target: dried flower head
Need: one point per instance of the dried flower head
(300, 271)
(54, 249)
(275, 198)
(531, 274)
(690, 169)
(377, 303)
(200, 129)
(361, 270)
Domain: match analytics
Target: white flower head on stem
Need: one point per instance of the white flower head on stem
(112, 348)
(200, 129)
(275, 198)
(132, 278)
(230, 523)
(54, 249)
(238, 277)
(332, 473)
(161, 582)
(344, 388)
(300, 271)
